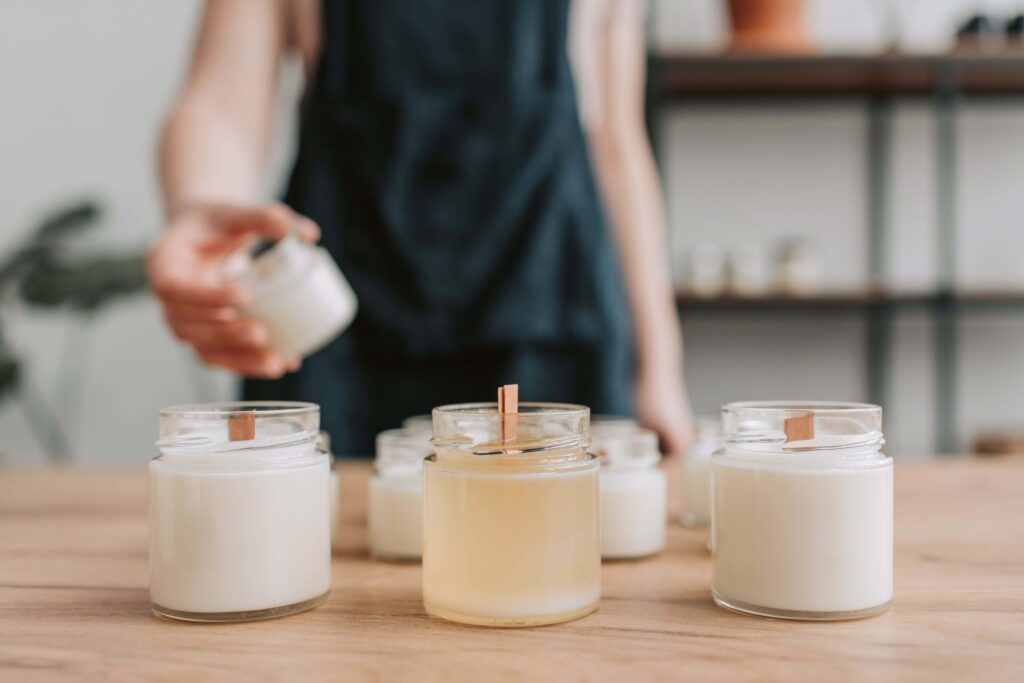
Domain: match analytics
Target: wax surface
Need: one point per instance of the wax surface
(810, 541)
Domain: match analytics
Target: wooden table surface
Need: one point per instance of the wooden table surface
(73, 603)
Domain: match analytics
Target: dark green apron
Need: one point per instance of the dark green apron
(442, 155)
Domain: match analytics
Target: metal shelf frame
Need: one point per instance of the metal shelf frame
(677, 80)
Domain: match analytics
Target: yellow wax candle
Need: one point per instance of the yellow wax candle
(511, 528)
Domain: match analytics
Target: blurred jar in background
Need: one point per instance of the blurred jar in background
(705, 273)
(800, 268)
(633, 488)
(395, 512)
(750, 271)
(697, 472)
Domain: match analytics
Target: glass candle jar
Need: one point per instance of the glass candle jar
(299, 293)
(419, 424)
(395, 515)
(324, 444)
(511, 529)
(696, 466)
(802, 511)
(239, 512)
(632, 489)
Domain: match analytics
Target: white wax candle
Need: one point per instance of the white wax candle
(335, 509)
(813, 541)
(632, 512)
(238, 535)
(632, 488)
(395, 512)
(395, 517)
(696, 464)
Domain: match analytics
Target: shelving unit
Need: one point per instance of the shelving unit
(677, 79)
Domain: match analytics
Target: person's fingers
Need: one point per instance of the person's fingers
(193, 294)
(197, 314)
(250, 363)
(307, 230)
(274, 221)
(173, 286)
(243, 334)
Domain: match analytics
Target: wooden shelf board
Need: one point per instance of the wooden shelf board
(682, 75)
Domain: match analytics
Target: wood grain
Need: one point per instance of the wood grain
(73, 603)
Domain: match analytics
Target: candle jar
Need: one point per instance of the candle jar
(419, 424)
(324, 444)
(632, 489)
(802, 511)
(299, 293)
(395, 515)
(696, 466)
(511, 528)
(239, 519)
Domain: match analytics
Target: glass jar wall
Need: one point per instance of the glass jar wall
(395, 513)
(696, 464)
(239, 512)
(633, 488)
(511, 528)
(802, 511)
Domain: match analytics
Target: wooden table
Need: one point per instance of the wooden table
(73, 603)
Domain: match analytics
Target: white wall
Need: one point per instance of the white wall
(84, 86)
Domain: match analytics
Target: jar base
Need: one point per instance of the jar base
(396, 558)
(509, 622)
(230, 617)
(645, 555)
(798, 615)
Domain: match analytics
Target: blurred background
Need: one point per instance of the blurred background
(845, 209)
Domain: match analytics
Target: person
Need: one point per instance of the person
(451, 168)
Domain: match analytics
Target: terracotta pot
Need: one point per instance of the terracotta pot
(768, 25)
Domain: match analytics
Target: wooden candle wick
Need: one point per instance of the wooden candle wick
(799, 428)
(508, 409)
(242, 427)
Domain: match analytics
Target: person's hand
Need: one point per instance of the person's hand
(188, 274)
(663, 406)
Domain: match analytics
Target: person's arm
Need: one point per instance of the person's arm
(212, 158)
(609, 50)
(217, 137)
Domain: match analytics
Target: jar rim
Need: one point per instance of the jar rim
(763, 425)
(842, 407)
(232, 408)
(527, 410)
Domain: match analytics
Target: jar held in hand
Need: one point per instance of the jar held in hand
(298, 292)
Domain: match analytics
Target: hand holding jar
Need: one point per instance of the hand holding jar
(255, 315)
(203, 308)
